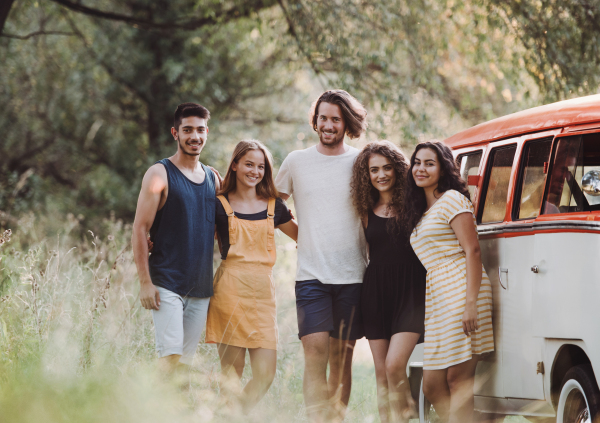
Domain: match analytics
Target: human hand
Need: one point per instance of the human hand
(149, 296)
(469, 320)
(217, 174)
(150, 244)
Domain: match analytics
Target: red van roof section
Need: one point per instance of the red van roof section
(556, 115)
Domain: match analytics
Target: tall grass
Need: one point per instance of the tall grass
(76, 345)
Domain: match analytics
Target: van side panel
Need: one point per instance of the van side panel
(566, 291)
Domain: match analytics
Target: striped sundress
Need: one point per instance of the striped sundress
(437, 247)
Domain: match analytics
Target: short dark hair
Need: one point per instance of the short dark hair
(189, 109)
(354, 113)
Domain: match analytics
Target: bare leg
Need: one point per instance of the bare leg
(264, 365)
(400, 348)
(436, 390)
(233, 360)
(340, 374)
(379, 349)
(460, 381)
(316, 353)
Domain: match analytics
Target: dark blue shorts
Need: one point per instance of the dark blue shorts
(329, 308)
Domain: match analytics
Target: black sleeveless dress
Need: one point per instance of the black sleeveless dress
(393, 289)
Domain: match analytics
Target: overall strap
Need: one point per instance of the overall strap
(271, 224)
(231, 219)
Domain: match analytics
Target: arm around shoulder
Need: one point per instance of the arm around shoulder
(283, 180)
(290, 228)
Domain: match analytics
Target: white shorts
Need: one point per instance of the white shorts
(178, 324)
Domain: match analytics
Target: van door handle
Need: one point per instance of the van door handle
(500, 271)
(535, 269)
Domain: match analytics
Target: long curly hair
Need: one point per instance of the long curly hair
(365, 195)
(416, 204)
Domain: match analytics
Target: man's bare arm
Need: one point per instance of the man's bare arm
(153, 187)
(284, 196)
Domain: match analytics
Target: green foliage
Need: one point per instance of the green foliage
(87, 107)
(560, 39)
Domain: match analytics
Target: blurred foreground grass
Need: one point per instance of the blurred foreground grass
(76, 346)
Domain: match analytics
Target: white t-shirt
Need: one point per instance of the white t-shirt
(331, 240)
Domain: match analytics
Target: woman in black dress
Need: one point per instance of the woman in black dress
(393, 290)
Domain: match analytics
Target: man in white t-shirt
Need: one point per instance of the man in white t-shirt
(331, 251)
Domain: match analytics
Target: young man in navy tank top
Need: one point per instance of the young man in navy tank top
(177, 207)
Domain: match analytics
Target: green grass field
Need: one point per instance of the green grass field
(76, 346)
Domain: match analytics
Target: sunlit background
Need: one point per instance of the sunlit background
(87, 94)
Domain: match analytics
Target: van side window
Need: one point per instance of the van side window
(532, 181)
(574, 158)
(495, 187)
(469, 166)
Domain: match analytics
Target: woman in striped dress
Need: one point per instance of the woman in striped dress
(458, 307)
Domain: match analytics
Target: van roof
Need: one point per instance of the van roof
(556, 115)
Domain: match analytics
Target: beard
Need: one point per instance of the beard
(336, 140)
(183, 145)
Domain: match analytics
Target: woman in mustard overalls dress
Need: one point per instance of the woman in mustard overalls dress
(242, 313)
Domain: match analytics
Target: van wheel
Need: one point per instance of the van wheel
(579, 400)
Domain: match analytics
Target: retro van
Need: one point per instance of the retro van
(534, 179)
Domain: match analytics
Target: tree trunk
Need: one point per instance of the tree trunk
(5, 7)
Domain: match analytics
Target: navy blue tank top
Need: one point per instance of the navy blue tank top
(183, 234)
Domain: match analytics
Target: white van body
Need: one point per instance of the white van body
(539, 229)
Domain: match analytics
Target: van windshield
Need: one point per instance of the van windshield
(574, 157)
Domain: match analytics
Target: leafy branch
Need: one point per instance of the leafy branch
(35, 34)
(244, 9)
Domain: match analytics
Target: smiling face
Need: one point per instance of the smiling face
(191, 135)
(381, 172)
(426, 169)
(250, 169)
(330, 124)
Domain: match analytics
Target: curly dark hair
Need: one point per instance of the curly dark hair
(365, 195)
(415, 203)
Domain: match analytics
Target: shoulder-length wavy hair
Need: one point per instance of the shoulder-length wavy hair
(415, 203)
(353, 112)
(365, 195)
(266, 187)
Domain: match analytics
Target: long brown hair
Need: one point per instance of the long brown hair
(365, 195)
(449, 179)
(353, 112)
(266, 187)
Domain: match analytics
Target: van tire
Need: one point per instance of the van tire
(579, 395)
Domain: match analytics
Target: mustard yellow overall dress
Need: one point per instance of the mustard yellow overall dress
(242, 311)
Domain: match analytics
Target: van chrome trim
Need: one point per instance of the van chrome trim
(516, 227)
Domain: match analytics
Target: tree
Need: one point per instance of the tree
(90, 91)
(560, 39)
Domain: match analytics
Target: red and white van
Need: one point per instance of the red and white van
(534, 179)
